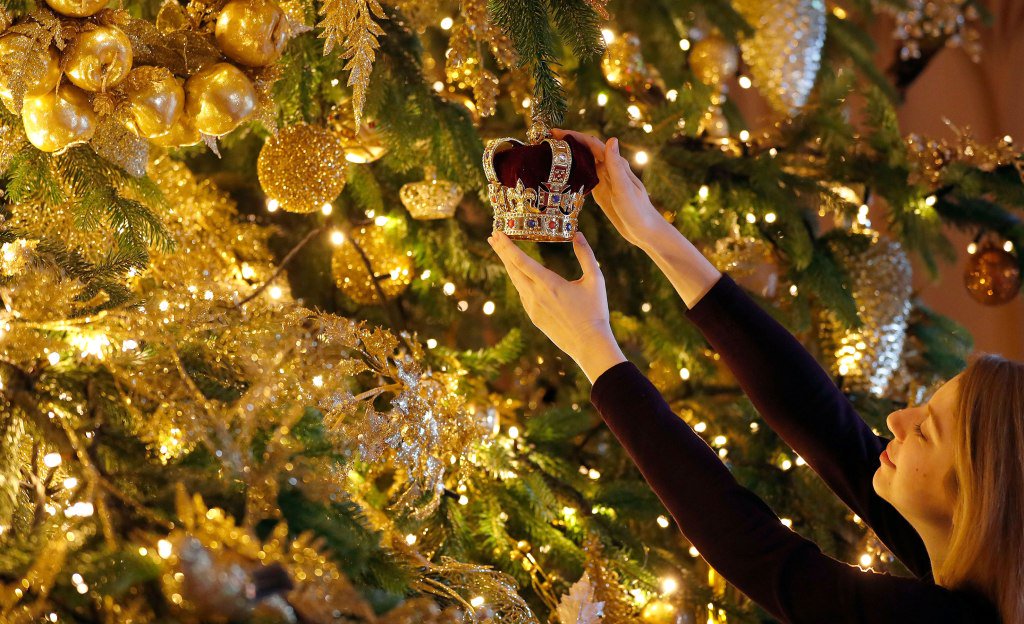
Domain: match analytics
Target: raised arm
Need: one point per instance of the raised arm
(740, 536)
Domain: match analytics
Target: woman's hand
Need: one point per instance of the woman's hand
(574, 315)
(619, 193)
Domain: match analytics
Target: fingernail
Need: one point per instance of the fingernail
(616, 139)
(490, 241)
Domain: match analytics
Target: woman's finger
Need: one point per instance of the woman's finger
(521, 281)
(616, 166)
(585, 254)
(595, 144)
(511, 254)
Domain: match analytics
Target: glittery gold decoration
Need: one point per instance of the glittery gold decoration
(77, 8)
(924, 21)
(56, 120)
(992, 275)
(25, 69)
(932, 157)
(302, 167)
(880, 281)
(219, 98)
(750, 260)
(579, 606)
(784, 53)
(464, 60)
(119, 145)
(363, 144)
(607, 588)
(12, 431)
(431, 198)
(352, 24)
(660, 611)
(181, 134)
(98, 58)
(623, 64)
(368, 257)
(713, 60)
(252, 32)
(600, 7)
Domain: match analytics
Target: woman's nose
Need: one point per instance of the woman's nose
(894, 422)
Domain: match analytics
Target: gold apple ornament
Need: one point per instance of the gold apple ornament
(218, 98)
(155, 101)
(252, 32)
(77, 8)
(58, 119)
(98, 58)
(45, 74)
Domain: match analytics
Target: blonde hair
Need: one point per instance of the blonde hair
(986, 550)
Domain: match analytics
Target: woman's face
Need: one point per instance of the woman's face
(916, 465)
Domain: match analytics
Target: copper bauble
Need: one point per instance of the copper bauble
(992, 275)
(181, 134)
(57, 119)
(77, 8)
(155, 101)
(45, 71)
(252, 32)
(713, 60)
(219, 98)
(98, 58)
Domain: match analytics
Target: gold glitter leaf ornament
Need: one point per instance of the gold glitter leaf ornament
(784, 53)
(25, 70)
(431, 198)
(302, 167)
(351, 24)
(369, 264)
(880, 274)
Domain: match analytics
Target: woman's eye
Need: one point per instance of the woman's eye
(917, 428)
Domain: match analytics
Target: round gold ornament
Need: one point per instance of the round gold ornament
(98, 58)
(45, 71)
(431, 198)
(623, 64)
(57, 119)
(302, 167)
(362, 145)
(370, 256)
(77, 8)
(252, 32)
(661, 612)
(713, 60)
(181, 134)
(219, 98)
(992, 276)
(155, 100)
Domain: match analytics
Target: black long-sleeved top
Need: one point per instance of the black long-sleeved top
(734, 530)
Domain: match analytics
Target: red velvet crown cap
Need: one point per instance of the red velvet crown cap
(532, 165)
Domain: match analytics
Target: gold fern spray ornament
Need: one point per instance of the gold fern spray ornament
(351, 23)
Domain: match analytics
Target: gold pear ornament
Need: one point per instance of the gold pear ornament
(252, 32)
(155, 101)
(98, 58)
(77, 8)
(218, 98)
(38, 77)
(58, 119)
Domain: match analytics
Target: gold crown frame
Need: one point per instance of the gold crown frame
(548, 213)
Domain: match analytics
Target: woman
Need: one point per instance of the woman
(946, 495)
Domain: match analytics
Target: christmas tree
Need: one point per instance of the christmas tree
(258, 362)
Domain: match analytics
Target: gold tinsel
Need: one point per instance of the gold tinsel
(880, 279)
(370, 267)
(302, 167)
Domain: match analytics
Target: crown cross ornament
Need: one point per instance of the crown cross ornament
(548, 213)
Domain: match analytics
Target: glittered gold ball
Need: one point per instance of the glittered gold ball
(370, 256)
(302, 167)
(181, 134)
(713, 59)
(623, 64)
(661, 612)
(77, 8)
(41, 74)
(98, 58)
(218, 98)
(252, 32)
(992, 276)
(57, 119)
(155, 100)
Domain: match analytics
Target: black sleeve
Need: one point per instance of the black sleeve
(799, 400)
(742, 538)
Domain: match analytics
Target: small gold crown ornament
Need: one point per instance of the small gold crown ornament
(548, 213)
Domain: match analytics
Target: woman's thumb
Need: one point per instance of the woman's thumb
(585, 255)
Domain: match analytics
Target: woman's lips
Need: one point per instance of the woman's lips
(885, 458)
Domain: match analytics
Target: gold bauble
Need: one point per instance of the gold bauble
(302, 167)
(98, 58)
(57, 119)
(431, 198)
(45, 71)
(362, 145)
(623, 64)
(181, 134)
(77, 8)
(155, 100)
(389, 266)
(252, 32)
(219, 98)
(661, 612)
(992, 275)
(713, 60)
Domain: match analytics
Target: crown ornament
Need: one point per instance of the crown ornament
(548, 213)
